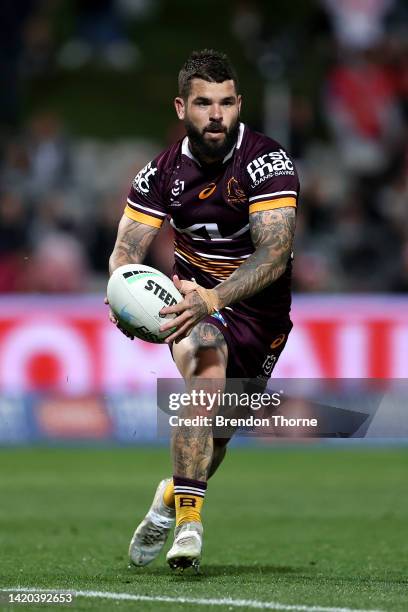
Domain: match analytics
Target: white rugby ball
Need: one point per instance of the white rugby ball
(136, 294)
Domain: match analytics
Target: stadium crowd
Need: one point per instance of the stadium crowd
(61, 197)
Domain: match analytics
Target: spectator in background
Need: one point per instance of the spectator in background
(14, 241)
(360, 244)
(312, 272)
(40, 159)
(302, 125)
(53, 215)
(99, 35)
(358, 24)
(395, 57)
(15, 171)
(392, 203)
(48, 152)
(363, 111)
(102, 237)
(58, 264)
(401, 281)
(103, 230)
(246, 25)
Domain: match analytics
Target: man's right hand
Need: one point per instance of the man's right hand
(114, 320)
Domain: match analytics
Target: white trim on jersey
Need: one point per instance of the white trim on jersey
(235, 234)
(222, 256)
(241, 134)
(229, 155)
(181, 257)
(269, 195)
(190, 232)
(185, 150)
(156, 212)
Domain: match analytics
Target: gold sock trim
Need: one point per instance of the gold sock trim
(168, 495)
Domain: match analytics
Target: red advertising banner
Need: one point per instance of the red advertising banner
(67, 345)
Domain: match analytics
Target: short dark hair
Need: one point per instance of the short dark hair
(209, 65)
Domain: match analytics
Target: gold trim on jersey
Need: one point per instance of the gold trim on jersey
(218, 269)
(142, 218)
(272, 204)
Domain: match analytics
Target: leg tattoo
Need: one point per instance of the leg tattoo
(192, 447)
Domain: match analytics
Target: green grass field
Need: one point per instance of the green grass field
(300, 526)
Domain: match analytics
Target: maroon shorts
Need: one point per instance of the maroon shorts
(254, 346)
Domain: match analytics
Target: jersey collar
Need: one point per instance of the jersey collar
(185, 149)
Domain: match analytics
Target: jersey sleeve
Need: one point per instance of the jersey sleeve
(272, 181)
(145, 200)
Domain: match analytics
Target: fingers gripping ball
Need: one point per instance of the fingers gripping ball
(136, 294)
(209, 296)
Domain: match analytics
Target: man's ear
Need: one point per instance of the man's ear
(180, 108)
(239, 103)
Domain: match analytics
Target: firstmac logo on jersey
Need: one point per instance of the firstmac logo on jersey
(141, 180)
(275, 163)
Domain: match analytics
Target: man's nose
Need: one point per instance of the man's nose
(216, 112)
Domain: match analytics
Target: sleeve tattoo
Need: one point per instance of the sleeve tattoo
(132, 243)
(272, 233)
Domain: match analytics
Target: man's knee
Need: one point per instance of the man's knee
(202, 354)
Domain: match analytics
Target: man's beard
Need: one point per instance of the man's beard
(211, 150)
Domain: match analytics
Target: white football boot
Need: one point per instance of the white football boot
(187, 545)
(151, 534)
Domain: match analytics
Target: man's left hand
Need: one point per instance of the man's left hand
(189, 312)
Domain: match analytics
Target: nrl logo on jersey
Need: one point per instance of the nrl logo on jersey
(269, 363)
(178, 188)
(275, 163)
(141, 180)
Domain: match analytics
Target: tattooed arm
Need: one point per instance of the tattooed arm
(272, 234)
(131, 246)
(132, 243)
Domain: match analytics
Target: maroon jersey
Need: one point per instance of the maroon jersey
(209, 208)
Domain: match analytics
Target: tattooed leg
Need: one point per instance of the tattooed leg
(202, 361)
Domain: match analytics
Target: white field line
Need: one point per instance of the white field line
(234, 603)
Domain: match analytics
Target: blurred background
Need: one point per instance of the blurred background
(86, 89)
